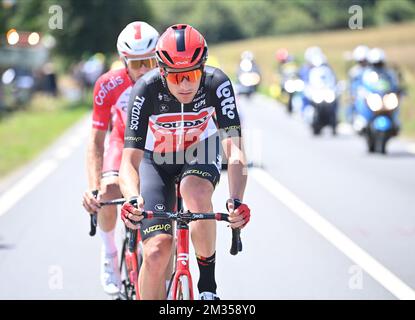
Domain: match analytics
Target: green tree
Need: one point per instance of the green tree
(88, 25)
(394, 11)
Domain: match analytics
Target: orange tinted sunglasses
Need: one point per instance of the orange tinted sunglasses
(178, 77)
(149, 63)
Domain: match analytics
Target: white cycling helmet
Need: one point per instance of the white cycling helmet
(376, 55)
(136, 39)
(360, 53)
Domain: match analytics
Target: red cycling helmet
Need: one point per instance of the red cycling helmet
(181, 47)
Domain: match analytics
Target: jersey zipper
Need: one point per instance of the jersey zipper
(182, 126)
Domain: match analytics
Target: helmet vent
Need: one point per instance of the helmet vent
(149, 43)
(168, 57)
(195, 54)
(180, 43)
(127, 45)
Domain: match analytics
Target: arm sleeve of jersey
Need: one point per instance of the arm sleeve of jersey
(225, 105)
(101, 114)
(138, 115)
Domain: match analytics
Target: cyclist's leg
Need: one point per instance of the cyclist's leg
(198, 183)
(158, 191)
(107, 215)
(110, 188)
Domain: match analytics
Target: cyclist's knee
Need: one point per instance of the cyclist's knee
(157, 252)
(110, 188)
(196, 191)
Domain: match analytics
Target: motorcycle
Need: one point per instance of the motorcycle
(249, 78)
(377, 110)
(18, 86)
(321, 94)
(294, 87)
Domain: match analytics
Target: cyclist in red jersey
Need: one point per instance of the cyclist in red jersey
(136, 46)
(171, 133)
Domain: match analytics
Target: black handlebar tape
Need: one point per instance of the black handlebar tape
(236, 235)
(93, 218)
(132, 243)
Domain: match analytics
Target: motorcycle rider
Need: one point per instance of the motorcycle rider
(360, 55)
(377, 63)
(248, 65)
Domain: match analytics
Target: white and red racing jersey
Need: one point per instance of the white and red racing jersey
(111, 94)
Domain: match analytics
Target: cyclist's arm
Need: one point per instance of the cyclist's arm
(135, 134)
(129, 176)
(101, 116)
(228, 121)
(237, 169)
(94, 159)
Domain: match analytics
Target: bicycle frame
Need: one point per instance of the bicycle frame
(131, 260)
(129, 252)
(182, 270)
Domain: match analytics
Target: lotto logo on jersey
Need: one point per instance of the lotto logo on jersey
(106, 87)
(135, 112)
(228, 102)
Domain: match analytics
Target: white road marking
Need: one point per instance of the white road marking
(385, 277)
(345, 129)
(25, 185)
(9, 198)
(63, 152)
(411, 148)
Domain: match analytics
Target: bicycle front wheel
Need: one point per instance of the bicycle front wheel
(183, 288)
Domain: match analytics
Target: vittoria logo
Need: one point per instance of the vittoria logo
(160, 207)
(105, 88)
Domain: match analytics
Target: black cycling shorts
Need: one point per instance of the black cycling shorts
(158, 180)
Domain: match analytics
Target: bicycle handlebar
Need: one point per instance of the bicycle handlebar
(93, 220)
(236, 236)
(236, 245)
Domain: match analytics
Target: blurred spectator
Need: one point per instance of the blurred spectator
(49, 79)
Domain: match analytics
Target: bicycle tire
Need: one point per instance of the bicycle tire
(183, 288)
(127, 289)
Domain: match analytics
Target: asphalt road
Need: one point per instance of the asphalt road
(329, 221)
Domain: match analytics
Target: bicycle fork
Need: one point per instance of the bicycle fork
(131, 259)
(182, 275)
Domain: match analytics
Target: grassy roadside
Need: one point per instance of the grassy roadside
(398, 41)
(24, 134)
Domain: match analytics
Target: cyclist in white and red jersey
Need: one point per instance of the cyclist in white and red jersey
(136, 47)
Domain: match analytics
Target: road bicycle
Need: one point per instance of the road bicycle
(181, 285)
(131, 256)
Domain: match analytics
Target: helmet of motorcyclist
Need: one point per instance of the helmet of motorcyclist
(317, 58)
(181, 47)
(281, 55)
(360, 53)
(376, 57)
(310, 52)
(247, 55)
(137, 39)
